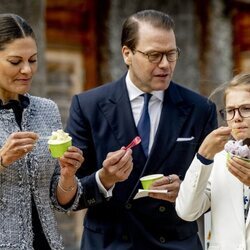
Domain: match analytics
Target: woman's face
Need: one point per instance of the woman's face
(18, 63)
(235, 98)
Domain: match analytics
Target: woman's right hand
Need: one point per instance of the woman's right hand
(214, 142)
(17, 146)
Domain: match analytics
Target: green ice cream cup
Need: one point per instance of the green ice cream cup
(57, 150)
(147, 180)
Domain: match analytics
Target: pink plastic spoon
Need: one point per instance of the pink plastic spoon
(134, 142)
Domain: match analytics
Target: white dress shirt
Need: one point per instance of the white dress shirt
(154, 107)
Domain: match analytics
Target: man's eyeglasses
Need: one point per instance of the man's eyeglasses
(156, 57)
(227, 114)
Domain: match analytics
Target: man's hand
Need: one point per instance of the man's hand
(116, 167)
(170, 183)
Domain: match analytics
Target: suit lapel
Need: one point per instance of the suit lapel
(117, 110)
(173, 116)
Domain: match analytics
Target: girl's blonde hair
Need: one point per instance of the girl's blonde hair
(240, 80)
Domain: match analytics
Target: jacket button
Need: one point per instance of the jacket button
(162, 239)
(162, 209)
(128, 206)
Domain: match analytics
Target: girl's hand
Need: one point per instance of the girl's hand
(240, 169)
(214, 142)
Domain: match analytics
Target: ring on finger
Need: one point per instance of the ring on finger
(170, 179)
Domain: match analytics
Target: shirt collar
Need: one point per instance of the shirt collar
(134, 91)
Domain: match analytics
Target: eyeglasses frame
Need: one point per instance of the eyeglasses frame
(162, 54)
(223, 111)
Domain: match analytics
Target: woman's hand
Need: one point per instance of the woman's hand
(70, 162)
(17, 146)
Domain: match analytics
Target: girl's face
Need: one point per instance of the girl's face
(235, 98)
(18, 63)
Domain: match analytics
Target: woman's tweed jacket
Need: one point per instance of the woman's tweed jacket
(28, 176)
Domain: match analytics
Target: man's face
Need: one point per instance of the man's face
(146, 75)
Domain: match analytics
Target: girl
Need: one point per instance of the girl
(220, 184)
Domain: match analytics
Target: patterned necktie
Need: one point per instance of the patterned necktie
(143, 126)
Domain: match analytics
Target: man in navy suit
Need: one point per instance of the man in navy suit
(105, 119)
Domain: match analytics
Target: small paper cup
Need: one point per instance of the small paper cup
(147, 180)
(57, 150)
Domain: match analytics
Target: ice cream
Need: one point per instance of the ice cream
(59, 142)
(238, 148)
(59, 137)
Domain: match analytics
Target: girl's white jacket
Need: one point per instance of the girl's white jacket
(214, 187)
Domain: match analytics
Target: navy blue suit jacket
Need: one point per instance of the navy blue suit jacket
(100, 122)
